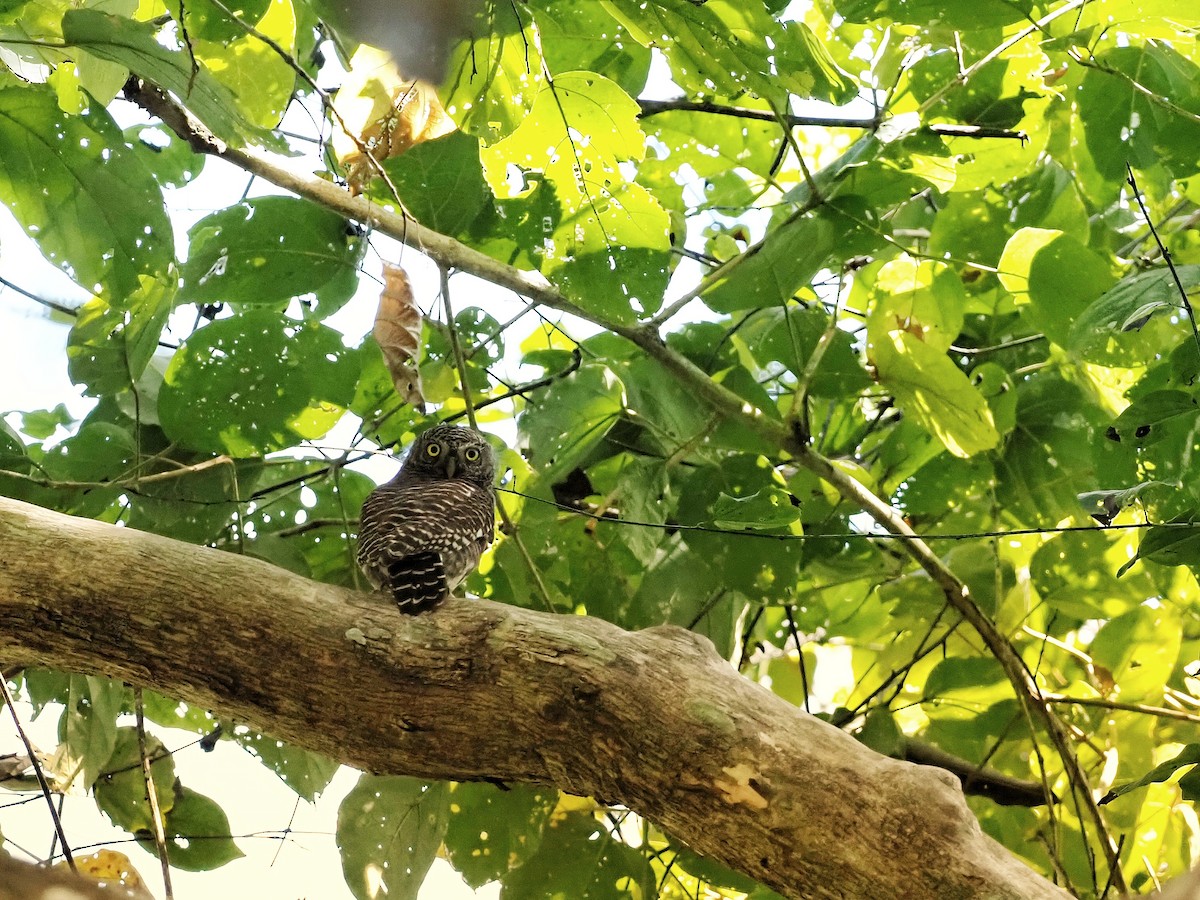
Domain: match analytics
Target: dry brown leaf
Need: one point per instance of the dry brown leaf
(385, 114)
(398, 333)
(111, 868)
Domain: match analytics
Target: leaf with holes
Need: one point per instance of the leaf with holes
(492, 830)
(88, 201)
(389, 830)
(266, 251)
(256, 382)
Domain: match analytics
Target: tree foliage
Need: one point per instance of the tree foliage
(870, 355)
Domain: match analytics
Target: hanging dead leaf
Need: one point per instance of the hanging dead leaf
(384, 114)
(398, 333)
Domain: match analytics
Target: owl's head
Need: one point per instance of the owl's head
(451, 451)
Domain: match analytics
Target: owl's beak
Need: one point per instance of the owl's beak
(451, 466)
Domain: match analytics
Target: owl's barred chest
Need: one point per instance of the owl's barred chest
(439, 504)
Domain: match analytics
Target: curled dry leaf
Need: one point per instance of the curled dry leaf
(111, 868)
(398, 333)
(384, 114)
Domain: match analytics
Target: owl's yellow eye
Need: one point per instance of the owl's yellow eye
(433, 451)
(472, 454)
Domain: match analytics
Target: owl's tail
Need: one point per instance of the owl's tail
(417, 581)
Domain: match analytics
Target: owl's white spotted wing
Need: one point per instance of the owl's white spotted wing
(419, 540)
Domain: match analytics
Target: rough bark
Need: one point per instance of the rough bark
(654, 720)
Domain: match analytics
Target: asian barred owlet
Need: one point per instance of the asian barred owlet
(423, 532)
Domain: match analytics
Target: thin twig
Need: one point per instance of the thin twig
(41, 776)
(996, 348)
(966, 74)
(654, 107)
(1161, 712)
(1166, 255)
(160, 837)
(456, 347)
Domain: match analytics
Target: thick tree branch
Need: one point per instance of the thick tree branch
(653, 720)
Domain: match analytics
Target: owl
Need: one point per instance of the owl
(423, 532)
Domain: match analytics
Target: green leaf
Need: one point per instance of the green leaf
(928, 386)
(1153, 417)
(493, 79)
(928, 13)
(768, 509)
(305, 772)
(712, 145)
(1140, 105)
(97, 452)
(176, 714)
(1172, 544)
(135, 46)
(12, 449)
(1139, 649)
(88, 201)
(209, 22)
(610, 255)
(43, 423)
(109, 348)
(121, 791)
(1057, 275)
(256, 382)
(197, 832)
(1069, 576)
(266, 251)
(440, 181)
(256, 73)
(1188, 756)
(923, 297)
(1135, 319)
(725, 47)
(607, 241)
(388, 833)
(579, 858)
(880, 732)
(789, 258)
(570, 418)
(170, 159)
(492, 830)
(978, 681)
(88, 729)
(711, 872)
(580, 34)
(1047, 459)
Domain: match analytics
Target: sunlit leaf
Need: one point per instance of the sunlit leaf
(268, 250)
(135, 46)
(1188, 756)
(1135, 318)
(936, 393)
(89, 202)
(256, 382)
